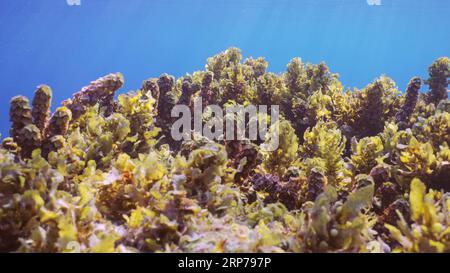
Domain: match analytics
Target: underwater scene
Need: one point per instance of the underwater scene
(225, 126)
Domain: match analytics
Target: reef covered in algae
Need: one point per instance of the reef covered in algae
(356, 170)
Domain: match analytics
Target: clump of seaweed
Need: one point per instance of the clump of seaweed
(284, 156)
(100, 91)
(350, 172)
(412, 94)
(59, 122)
(428, 231)
(41, 106)
(19, 115)
(439, 72)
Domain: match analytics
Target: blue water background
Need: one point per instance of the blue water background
(51, 42)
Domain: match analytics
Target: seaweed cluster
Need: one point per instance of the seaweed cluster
(355, 170)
